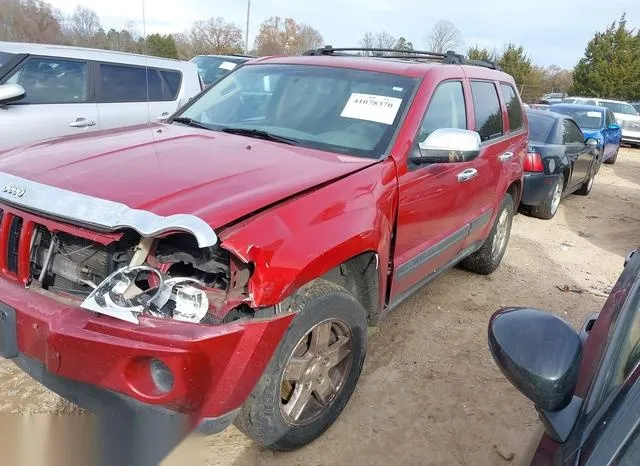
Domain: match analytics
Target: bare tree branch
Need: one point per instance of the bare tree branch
(444, 37)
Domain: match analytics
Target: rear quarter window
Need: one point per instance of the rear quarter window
(123, 83)
(487, 110)
(514, 109)
(540, 128)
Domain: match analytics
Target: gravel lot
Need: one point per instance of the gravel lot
(430, 393)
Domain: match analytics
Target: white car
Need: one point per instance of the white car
(48, 91)
(626, 115)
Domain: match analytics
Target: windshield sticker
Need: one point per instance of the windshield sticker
(397, 89)
(593, 114)
(227, 65)
(378, 108)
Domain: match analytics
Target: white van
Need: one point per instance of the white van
(51, 90)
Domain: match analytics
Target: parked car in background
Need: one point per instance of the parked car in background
(553, 97)
(214, 67)
(598, 123)
(540, 106)
(52, 90)
(636, 105)
(227, 264)
(558, 162)
(627, 117)
(584, 385)
(569, 100)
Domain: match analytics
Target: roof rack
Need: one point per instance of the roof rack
(449, 58)
(240, 55)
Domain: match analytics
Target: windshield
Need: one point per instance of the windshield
(213, 68)
(540, 126)
(586, 119)
(343, 110)
(4, 58)
(620, 107)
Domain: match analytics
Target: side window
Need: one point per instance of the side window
(611, 120)
(52, 81)
(121, 83)
(514, 109)
(571, 134)
(446, 109)
(487, 110)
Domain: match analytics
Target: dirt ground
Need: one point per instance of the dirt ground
(430, 393)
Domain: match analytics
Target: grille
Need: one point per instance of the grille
(12, 244)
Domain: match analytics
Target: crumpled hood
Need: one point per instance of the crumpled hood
(173, 169)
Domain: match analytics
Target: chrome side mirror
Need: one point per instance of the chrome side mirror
(448, 145)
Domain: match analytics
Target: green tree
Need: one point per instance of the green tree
(403, 44)
(162, 46)
(477, 53)
(516, 63)
(610, 67)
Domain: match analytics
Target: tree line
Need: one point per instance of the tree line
(610, 67)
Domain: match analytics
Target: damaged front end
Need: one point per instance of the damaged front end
(167, 277)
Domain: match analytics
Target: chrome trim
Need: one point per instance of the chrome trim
(101, 213)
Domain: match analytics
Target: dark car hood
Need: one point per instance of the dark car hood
(173, 169)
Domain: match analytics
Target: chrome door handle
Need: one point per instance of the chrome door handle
(506, 156)
(467, 175)
(82, 123)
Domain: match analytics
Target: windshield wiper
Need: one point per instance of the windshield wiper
(260, 134)
(190, 122)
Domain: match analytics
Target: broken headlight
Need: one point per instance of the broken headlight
(132, 291)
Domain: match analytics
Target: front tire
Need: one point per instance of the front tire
(312, 374)
(549, 206)
(585, 189)
(613, 159)
(487, 259)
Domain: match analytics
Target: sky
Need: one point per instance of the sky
(552, 32)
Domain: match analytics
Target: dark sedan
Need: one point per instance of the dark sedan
(559, 162)
(586, 385)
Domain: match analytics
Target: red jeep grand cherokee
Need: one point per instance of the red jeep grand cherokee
(225, 265)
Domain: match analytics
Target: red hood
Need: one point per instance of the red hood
(175, 169)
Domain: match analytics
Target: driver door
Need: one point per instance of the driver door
(578, 153)
(432, 224)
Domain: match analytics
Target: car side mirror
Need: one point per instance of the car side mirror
(10, 93)
(592, 145)
(614, 127)
(540, 354)
(447, 145)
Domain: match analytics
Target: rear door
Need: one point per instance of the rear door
(497, 151)
(576, 151)
(131, 95)
(59, 101)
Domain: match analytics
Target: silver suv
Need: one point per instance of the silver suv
(214, 67)
(50, 90)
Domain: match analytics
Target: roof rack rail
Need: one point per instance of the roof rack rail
(449, 58)
(241, 55)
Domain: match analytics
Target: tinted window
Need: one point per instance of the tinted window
(487, 110)
(514, 109)
(540, 127)
(446, 109)
(4, 58)
(129, 84)
(571, 134)
(337, 109)
(49, 81)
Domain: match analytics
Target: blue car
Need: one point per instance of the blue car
(598, 123)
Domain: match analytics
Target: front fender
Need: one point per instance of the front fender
(305, 237)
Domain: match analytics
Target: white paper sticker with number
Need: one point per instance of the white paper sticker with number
(593, 114)
(369, 107)
(227, 65)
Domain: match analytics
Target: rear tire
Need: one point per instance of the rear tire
(549, 206)
(267, 416)
(613, 159)
(487, 259)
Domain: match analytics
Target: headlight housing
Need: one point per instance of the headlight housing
(131, 291)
